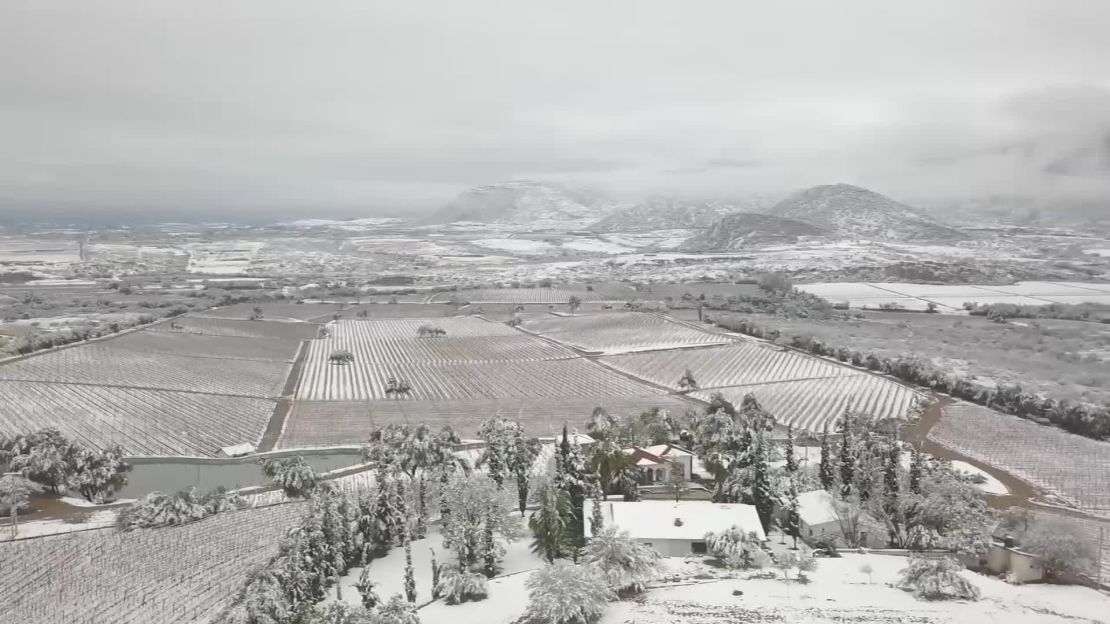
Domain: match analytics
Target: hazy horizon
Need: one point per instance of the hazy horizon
(256, 111)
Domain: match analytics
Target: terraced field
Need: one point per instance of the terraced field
(1075, 468)
(609, 293)
(176, 575)
(323, 312)
(144, 422)
(334, 423)
(621, 332)
(108, 363)
(740, 363)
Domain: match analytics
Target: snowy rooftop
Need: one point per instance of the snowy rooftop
(237, 450)
(656, 519)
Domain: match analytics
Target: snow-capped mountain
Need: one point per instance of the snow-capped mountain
(520, 202)
(664, 213)
(847, 211)
(744, 230)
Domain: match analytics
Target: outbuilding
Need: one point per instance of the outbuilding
(674, 529)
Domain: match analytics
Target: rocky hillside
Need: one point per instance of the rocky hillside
(520, 202)
(744, 230)
(847, 211)
(664, 213)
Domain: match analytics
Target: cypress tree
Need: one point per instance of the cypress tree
(761, 487)
(410, 576)
(847, 458)
(915, 471)
(422, 509)
(489, 545)
(791, 460)
(826, 474)
(435, 575)
(793, 518)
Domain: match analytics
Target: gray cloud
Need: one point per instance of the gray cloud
(359, 106)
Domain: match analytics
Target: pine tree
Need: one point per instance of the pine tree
(410, 577)
(915, 471)
(791, 460)
(761, 486)
(891, 487)
(825, 472)
(523, 457)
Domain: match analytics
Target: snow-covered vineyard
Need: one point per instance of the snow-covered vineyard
(622, 332)
(1031, 451)
(174, 575)
(553, 296)
(188, 386)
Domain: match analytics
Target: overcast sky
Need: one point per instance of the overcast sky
(358, 107)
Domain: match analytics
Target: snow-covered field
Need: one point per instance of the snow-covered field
(621, 332)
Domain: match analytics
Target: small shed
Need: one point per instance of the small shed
(818, 520)
(675, 529)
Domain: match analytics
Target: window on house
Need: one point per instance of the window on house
(698, 548)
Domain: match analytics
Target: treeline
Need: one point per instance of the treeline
(1090, 312)
(1085, 419)
(47, 458)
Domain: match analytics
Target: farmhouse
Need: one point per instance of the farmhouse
(675, 529)
(819, 521)
(655, 464)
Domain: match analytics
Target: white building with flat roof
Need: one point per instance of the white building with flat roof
(674, 529)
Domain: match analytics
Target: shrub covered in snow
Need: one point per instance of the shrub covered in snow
(564, 593)
(626, 564)
(937, 579)
(737, 549)
(294, 475)
(459, 585)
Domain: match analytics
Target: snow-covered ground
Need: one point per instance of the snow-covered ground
(990, 485)
(952, 297)
(839, 592)
(596, 246)
(506, 593)
(516, 245)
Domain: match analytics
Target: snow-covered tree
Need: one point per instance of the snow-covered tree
(791, 465)
(915, 471)
(396, 611)
(414, 451)
(42, 456)
(157, 509)
(763, 494)
(846, 459)
(601, 424)
(500, 435)
(549, 522)
(736, 548)
(15, 493)
(792, 525)
(457, 585)
(571, 476)
(365, 586)
(608, 463)
(1059, 547)
(523, 458)
(293, 475)
(937, 579)
(825, 471)
(627, 565)
(97, 475)
(410, 575)
(476, 506)
(564, 593)
(720, 443)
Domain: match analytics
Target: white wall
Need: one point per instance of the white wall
(669, 548)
